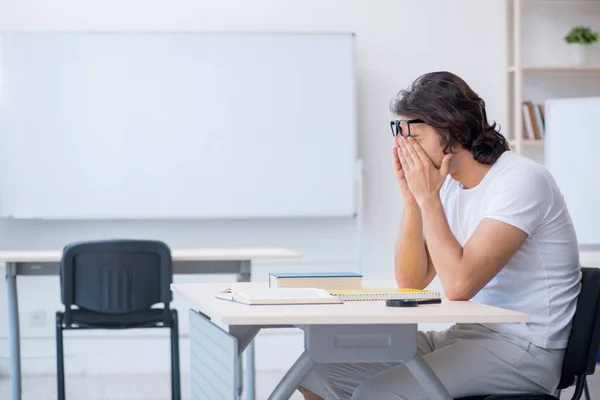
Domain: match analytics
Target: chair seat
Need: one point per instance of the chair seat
(511, 397)
(91, 319)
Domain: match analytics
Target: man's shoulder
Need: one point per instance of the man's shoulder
(518, 172)
(512, 161)
(511, 176)
(522, 185)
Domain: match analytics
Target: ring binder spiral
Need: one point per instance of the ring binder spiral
(384, 294)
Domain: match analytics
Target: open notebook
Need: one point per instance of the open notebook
(263, 296)
(384, 294)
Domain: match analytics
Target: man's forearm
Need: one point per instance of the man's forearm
(445, 251)
(410, 258)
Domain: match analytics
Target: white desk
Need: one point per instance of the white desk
(350, 332)
(185, 261)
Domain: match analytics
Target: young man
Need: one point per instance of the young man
(495, 229)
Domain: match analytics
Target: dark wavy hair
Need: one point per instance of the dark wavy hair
(445, 101)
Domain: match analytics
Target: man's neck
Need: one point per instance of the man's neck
(467, 171)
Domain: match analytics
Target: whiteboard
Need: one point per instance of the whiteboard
(177, 125)
(572, 149)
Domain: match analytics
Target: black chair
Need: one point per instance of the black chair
(582, 349)
(116, 284)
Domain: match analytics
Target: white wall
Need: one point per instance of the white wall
(396, 42)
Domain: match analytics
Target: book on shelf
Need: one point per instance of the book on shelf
(527, 124)
(320, 280)
(534, 122)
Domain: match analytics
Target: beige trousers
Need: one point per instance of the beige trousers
(468, 359)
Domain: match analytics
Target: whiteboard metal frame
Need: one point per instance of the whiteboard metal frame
(358, 182)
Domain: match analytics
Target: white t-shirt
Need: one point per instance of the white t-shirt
(543, 277)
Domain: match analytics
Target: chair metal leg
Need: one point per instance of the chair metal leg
(175, 372)
(60, 361)
(586, 390)
(579, 387)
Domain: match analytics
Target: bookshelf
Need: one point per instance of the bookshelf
(538, 61)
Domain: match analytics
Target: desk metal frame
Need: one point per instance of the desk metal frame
(214, 351)
(241, 268)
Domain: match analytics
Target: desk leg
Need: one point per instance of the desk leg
(13, 331)
(293, 378)
(245, 275)
(250, 373)
(427, 378)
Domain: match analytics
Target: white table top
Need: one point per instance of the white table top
(200, 254)
(201, 297)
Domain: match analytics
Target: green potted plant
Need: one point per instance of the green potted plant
(580, 39)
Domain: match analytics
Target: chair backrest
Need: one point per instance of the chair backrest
(582, 350)
(116, 276)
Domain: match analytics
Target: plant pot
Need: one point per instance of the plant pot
(580, 54)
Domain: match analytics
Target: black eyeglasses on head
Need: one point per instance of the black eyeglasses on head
(396, 126)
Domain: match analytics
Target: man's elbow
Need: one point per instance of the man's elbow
(410, 279)
(461, 290)
(409, 282)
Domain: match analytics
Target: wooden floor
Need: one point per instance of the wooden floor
(156, 387)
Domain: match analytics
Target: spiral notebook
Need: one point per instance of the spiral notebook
(384, 294)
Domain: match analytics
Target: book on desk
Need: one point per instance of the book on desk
(321, 280)
(266, 296)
